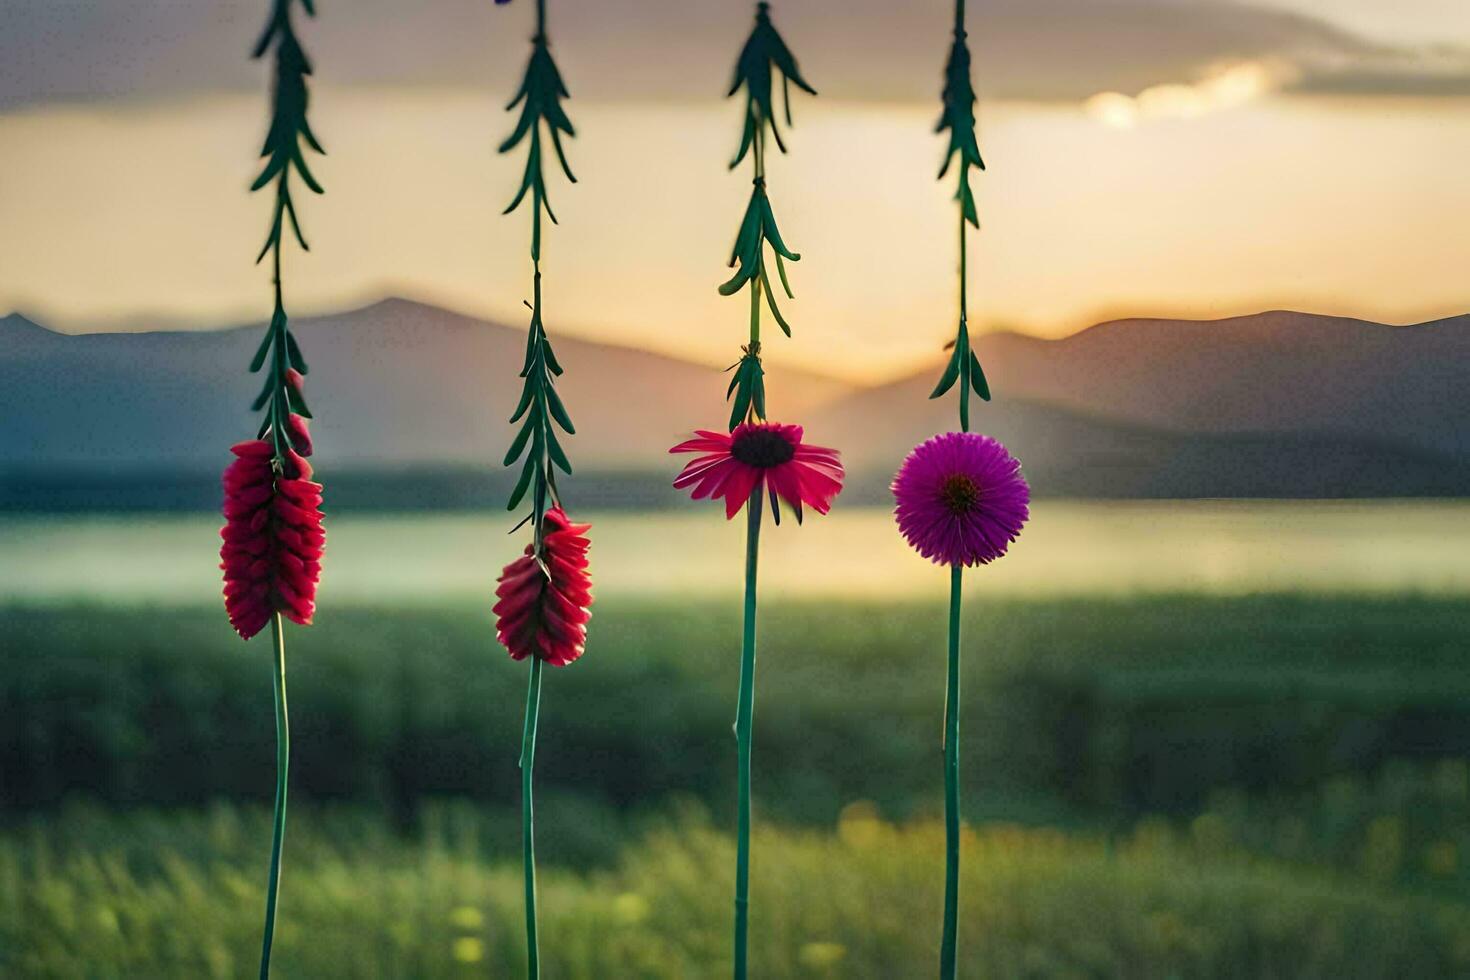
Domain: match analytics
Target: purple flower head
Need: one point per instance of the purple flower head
(961, 499)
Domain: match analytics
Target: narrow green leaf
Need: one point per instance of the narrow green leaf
(258, 361)
(553, 446)
(781, 270)
(740, 406)
(526, 394)
(771, 301)
(527, 472)
(948, 378)
(559, 411)
(772, 233)
(264, 396)
(519, 442)
(977, 378)
(297, 402)
(293, 353)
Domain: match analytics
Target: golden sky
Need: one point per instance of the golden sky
(1239, 184)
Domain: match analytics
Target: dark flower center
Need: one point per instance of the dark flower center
(959, 494)
(762, 448)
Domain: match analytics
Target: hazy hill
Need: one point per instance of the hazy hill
(1273, 372)
(392, 383)
(1279, 404)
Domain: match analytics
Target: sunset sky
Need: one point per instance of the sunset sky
(1180, 157)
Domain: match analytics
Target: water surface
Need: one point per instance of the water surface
(1070, 548)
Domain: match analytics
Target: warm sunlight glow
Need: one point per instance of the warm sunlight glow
(1213, 214)
(1225, 87)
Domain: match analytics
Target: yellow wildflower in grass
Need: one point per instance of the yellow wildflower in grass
(859, 824)
(630, 908)
(817, 956)
(468, 949)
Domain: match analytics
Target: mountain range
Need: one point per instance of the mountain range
(1275, 404)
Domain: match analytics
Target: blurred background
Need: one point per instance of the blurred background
(1217, 710)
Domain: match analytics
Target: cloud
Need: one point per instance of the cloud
(1445, 76)
(1224, 87)
(1048, 50)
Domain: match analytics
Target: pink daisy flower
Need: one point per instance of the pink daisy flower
(961, 499)
(761, 456)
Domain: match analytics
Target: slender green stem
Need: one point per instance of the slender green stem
(964, 300)
(744, 714)
(755, 311)
(283, 761)
(528, 820)
(759, 163)
(948, 949)
(964, 278)
(949, 945)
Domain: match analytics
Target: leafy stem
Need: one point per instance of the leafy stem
(748, 257)
(540, 95)
(958, 117)
(765, 53)
(763, 56)
(541, 413)
(280, 395)
(540, 410)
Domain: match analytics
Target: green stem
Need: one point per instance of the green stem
(755, 311)
(528, 820)
(744, 714)
(283, 761)
(948, 949)
(964, 337)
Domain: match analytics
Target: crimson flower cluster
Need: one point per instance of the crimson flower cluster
(273, 535)
(542, 610)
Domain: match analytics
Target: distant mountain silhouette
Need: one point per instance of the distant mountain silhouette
(1275, 372)
(396, 382)
(1278, 404)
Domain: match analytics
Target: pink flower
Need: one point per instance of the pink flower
(298, 434)
(961, 499)
(757, 456)
(542, 610)
(273, 538)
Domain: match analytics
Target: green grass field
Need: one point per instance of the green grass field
(179, 897)
(1158, 787)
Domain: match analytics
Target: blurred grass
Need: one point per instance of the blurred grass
(1264, 786)
(1074, 708)
(180, 897)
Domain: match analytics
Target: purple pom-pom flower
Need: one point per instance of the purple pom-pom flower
(961, 499)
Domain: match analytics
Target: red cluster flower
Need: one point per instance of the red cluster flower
(273, 536)
(542, 610)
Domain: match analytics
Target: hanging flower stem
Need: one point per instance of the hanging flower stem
(540, 413)
(763, 58)
(272, 540)
(283, 763)
(948, 951)
(528, 818)
(744, 719)
(963, 368)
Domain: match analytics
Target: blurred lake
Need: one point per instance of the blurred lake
(1069, 548)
